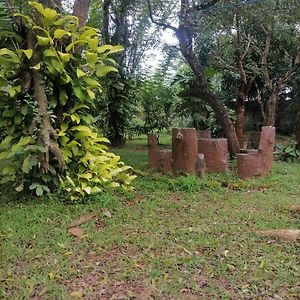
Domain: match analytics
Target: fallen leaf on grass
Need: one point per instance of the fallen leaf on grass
(83, 219)
(76, 231)
(285, 234)
(295, 208)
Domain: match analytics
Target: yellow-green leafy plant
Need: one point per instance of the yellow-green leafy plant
(48, 84)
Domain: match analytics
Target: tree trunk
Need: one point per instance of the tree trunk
(115, 135)
(270, 117)
(105, 27)
(184, 37)
(298, 130)
(224, 119)
(81, 10)
(46, 131)
(240, 116)
(218, 107)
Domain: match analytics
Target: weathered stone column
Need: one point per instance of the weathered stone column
(152, 151)
(258, 163)
(165, 161)
(215, 154)
(184, 150)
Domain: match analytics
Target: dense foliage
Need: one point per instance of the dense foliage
(48, 85)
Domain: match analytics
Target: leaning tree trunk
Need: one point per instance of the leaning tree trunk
(185, 38)
(218, 107)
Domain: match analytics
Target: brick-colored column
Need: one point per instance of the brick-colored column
(184, 150)
(165, 161)
(152, 151)
(215, 154)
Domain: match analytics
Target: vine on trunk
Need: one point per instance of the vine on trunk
(47, 87)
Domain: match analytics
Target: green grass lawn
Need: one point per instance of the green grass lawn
(172, 238)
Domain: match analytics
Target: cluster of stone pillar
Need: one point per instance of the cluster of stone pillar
(194, 152)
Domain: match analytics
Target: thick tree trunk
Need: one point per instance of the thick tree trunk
(270, 117)
(81, 10)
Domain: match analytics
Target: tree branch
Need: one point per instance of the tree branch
(264, 57)
(283, 79)
(260, 102)
(161, 24)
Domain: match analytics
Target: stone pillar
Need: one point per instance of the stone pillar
(266, 148)
(165, 161)
(152, 151)
(215, 154)
(258, 163)
(184, 151)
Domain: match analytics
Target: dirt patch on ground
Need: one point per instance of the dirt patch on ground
(96, 277)
(174, 197)
(90, 288)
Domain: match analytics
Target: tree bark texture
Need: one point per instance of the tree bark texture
(270, 117)
(47, 134)
(81, 10)
(298, 130)
(240, 117)
(105, 28)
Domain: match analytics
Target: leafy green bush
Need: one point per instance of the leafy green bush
(288, 153)
(47, 89)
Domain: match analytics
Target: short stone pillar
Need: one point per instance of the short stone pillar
(215, 154)
(165, 161)
(258, 163)
(152, 151)
(204, 134)
(184, 151)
